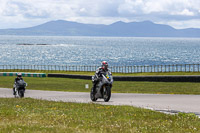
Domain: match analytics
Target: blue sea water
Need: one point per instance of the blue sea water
(118, 51)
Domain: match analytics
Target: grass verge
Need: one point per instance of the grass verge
(78, 85)
(31, 115)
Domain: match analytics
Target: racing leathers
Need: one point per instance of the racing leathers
(16, 80)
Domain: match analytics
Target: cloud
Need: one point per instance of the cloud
(183, 24)
(21, 13)
(185, 12)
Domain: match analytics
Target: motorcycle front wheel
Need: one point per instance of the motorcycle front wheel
(21, 93)
(106, 93)
(92, 95)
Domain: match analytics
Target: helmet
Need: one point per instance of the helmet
(104, 65)
(19, 74)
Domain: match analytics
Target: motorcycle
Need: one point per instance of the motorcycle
(103, 88)
(20, 87)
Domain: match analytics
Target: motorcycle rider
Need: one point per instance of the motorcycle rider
(99, 72)
(19, 77)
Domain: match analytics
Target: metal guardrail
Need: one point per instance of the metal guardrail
(116, 69)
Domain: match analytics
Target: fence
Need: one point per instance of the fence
(116, 69)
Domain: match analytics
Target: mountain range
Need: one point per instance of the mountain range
(118, 29)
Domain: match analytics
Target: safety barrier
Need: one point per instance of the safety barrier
(137, 78)
(23, 74)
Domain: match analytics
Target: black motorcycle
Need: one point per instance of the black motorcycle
(20, 87)
(103, 88)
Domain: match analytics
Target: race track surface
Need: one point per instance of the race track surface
(160, 102)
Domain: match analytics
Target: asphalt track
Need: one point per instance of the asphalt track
(166, 103)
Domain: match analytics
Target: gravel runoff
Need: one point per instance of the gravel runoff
(166, 103)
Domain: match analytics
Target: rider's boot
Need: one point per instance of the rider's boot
(14, 93)
(94, 88)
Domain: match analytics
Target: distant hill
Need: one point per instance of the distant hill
(132, 29)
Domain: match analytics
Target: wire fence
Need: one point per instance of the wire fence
(116, 69)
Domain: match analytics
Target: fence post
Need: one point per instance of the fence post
(148, 68)
(137, 69)
(189, 67)
(131, 69)
(181, 68)
(193, 68)
(165, 68)
(185, 67)
(141, 68)
(151, 68)
(176, 67)
(157, 68)
(144, 69)
(161, 68)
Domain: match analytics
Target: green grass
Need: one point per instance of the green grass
(54, 84)
(157, 87)
(115, 74)
(78, 85)
(37, 116)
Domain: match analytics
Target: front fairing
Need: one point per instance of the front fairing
(21, 84)
(107, 78)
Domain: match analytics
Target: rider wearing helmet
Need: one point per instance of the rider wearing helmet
(19, 77)
(99, 72)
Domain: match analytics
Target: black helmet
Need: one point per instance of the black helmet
(104, 65)
(19, 74)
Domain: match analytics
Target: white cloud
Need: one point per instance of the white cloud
(19, 13)
(184, 24)
(185, 12)
(130, 7)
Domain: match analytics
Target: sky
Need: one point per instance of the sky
(27, 13)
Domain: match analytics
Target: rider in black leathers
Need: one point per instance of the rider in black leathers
(19, 77)
(99, 72)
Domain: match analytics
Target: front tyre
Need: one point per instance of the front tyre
(21, 93)
(106, 93)
(92, 95)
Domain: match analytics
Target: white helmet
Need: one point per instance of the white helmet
(19, 74)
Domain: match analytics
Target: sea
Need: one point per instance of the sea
(79, 50)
